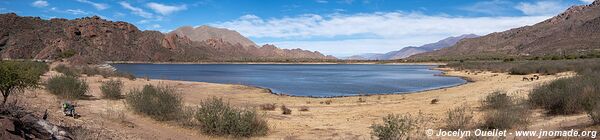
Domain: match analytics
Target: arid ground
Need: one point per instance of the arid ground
(343, 118)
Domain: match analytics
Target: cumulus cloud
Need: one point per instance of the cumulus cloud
(99, 6)
(164, 9)
(587, 1)
(40, 3)
(136, 10)
(340, 34)
(541, 8)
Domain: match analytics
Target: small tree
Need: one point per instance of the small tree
(16, 76)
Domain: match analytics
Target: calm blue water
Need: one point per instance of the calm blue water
(304, 79)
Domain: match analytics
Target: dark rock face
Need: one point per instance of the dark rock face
(575, 31)
(94, 40)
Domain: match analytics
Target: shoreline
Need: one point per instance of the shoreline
(281, 63)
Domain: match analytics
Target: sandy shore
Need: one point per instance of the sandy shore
(344, 118)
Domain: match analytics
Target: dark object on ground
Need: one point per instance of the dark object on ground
(18, 124)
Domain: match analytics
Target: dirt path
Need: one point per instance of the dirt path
(344, 118)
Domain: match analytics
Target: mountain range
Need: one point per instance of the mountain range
(411, 50)
(95, 40)
(576, 31)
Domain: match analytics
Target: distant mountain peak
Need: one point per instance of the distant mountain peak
(412, 50)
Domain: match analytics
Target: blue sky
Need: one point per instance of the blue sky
(334, 27)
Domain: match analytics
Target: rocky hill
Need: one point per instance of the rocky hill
(573, 32)
(204, 33)
(411, 50)
(93, 40)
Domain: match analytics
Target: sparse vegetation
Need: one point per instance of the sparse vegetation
(505, 112)
(285, 110)
(66, 70)
(268, 106)
(497, 100)
(17, 76)
(303, 108)
(529, 67)
(112, 89)
(91, 71)
(159, 102)
(219, 118)
(67, 87)
(568, 95)
(434, 101)
(459, 118)
(396, 127)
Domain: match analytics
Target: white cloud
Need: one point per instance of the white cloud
(155, 26)
(587, 1)
(165, 9)
(541, 8)
(76, 12)
(136, 10)
(493, 7)
(99, 6)
(345, 34)
(322, 1)
(40, 3)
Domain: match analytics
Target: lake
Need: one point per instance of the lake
(318, 80)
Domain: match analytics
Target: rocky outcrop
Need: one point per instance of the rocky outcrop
(573, 32)
(204, 32)
(93, 40)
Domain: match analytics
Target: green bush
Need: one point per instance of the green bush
(568, 95)
(219, 118)
(159, 102)
(459, 118)
(16, 76)
(394, 127)
(112, 89)
(67, 87)
(497, 100)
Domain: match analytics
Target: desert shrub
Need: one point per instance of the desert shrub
(219, 118)
(268, 106)
(505, 112)
(505, 118)
(459, 118)
(529, 67)
(362, 100)
(127, 75)
(90, 71)
(112, 89)
(303, 108)
(496, 100)
(285, 110)
(594, 113)
(67, 87)
(434, 101)
(66, 70)
(394, 127)
(159, 102)
(568, 95)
